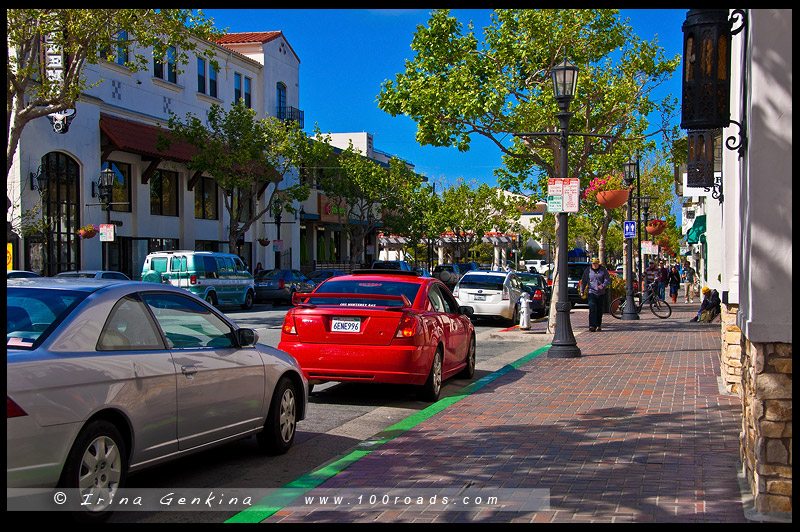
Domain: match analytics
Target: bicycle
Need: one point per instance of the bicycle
(658, 306)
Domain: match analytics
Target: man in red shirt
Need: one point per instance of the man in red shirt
(650, 273)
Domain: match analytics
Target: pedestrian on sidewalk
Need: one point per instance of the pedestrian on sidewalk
(710, 306)
(662, 278)
(689, 278)
(595, 281)
(674, 281)
(650, 274)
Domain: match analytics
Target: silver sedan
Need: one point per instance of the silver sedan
(106, 378)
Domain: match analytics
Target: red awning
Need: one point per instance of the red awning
(140, 138)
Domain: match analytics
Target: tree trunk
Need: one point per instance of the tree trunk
(551, 321)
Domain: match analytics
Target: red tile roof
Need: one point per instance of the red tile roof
(254, 37)
(140, 138)
(258, 36)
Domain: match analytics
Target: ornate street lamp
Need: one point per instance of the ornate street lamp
(706, 88)
(565, 81)
(631, 175)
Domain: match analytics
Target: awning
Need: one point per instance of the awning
(140, 138)
(698, 228)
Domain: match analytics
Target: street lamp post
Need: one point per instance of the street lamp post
(631, 171)
(565, 77)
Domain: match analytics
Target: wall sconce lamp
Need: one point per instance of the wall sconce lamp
(705, 104)
(39, 180)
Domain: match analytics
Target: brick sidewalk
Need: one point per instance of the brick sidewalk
(634, 430)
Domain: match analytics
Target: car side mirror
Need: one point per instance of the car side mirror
(467, 311)
(246, 337)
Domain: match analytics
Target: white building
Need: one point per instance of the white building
(749, 238)
(159, 203)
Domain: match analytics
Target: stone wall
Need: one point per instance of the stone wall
(766, 438)
(731, 356)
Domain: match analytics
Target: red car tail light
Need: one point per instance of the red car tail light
(505, 293)
(537, 295)
(13, 409)
(281, 284)
(193, 279)
(409, 326)
(288, 324)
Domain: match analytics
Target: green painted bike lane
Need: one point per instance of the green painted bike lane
(288, 493)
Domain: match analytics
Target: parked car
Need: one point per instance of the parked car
(381, 326)
(127, 376)
(95, 274)
(490, 294)
(392, 265)
(20, 274)
(280, 285)
(575, 273)
(449, 274)
(317, 276)
(537, 287)
(219, 278)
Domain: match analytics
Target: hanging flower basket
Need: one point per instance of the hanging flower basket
(608, 191)
(656, 227)
(611, 199)
(89, 231)
(263, 241)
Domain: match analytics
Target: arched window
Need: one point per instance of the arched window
(57, 249)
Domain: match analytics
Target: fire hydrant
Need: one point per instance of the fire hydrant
(525, 312)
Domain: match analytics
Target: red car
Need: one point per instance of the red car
(381, 326)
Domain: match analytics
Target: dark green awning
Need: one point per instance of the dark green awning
(697, 230)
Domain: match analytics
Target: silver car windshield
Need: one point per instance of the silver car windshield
(32, 313)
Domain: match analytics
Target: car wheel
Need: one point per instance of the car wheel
(281, 424)
(211, 299)
(469, 370)
(515, 316)
(248, 301)
(433, 386)
(97, 467)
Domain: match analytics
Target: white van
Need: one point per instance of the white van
(219, 278)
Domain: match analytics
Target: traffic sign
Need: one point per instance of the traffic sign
(630, 229)
(563, 195)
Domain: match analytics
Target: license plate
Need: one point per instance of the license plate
(479, 297)
(348, 325)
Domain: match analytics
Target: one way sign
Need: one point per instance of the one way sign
(630, 229)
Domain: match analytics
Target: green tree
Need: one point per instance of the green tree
(80, 37)
(457, 86)
(245, 156)
(365, 191)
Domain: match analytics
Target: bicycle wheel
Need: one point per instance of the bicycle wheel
(660, 308)
(618, 307)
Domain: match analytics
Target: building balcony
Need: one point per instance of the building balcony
(291, 113)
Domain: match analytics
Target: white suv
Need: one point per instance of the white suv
(490, 294)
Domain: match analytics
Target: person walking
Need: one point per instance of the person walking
(650, 274)
(689, 279)
(674, 281)
(662, 277)
(595, 281)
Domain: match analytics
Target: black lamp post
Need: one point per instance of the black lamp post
(565, 78)
(631, 171)
(645, 201)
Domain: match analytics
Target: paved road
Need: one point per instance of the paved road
(340, 417)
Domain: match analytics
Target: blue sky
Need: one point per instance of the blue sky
(346, 54)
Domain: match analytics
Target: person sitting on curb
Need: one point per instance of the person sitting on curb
(711, 306)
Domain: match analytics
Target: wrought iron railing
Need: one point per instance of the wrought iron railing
(292, 113)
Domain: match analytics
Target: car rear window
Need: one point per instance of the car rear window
(485, 282)
(364, 287)
(33, 313)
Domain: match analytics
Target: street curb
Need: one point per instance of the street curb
(289, 492)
